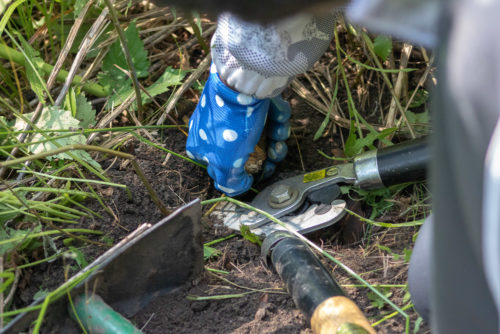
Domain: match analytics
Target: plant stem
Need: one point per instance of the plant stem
(197, 33)
(17, 57)
(150, 189)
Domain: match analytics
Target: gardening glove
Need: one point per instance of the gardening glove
(226, 126)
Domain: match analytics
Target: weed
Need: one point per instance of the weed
(375, 299)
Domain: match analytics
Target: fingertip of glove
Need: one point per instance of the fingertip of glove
(279, 131)
(276, 151)
(279, 110)
(268, 169)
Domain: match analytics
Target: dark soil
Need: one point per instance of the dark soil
(262, 304)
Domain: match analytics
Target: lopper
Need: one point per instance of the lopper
(309, 202)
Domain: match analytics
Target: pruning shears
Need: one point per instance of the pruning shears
(309, 202)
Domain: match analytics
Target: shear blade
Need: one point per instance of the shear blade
(315, 217)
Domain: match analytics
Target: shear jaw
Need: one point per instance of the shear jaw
(316, 217)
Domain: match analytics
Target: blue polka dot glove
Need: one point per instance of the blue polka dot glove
(226, 126)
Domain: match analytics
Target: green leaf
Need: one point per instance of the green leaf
(112, 77)
(6, 17)
(5, 215)
(375, 299)
(355, 145)
(350, 148)
(322, 127)
(199, 85)
(378, 199)
(421, 97)
(325, 122)
(385, 248)
(171, 77)
(54, 118)
(417, 118)
(350, 328)
(209, 252)
(107, 240)
(7, 277)
(418, 323)
(382, 46)
(407, 297)
(33, 62)
(197, 20)
(247, 234)
(41, 294)
(79, 257)
(9, 233)
(79, 5)
(84, 112)
(407, 254)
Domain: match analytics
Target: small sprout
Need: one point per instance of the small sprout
(210, 252)
(247, 234)
(375, 299)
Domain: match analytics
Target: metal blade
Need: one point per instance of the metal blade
(316, 217)
(151, 261)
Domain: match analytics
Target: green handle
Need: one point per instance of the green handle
(98, 317)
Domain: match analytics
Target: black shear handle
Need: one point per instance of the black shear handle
(312, 288)
(400, 163)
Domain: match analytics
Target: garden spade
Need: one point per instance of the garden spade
(152, 261)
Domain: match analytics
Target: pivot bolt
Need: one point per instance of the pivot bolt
(280, 194)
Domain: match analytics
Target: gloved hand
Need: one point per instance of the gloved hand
(226, 126)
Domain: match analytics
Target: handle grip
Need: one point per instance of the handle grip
(312, 288)
(396, 164)
(98, 317)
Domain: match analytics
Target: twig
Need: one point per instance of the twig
(67, 45)
(369, 43)
(299, 150)
(182, 89)
(420, 83)
(84, 48)
(108, 118)
(147, 321)
(429, 61)
(304, 93)
(398, 87)
(316, 89)
(186, 45)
